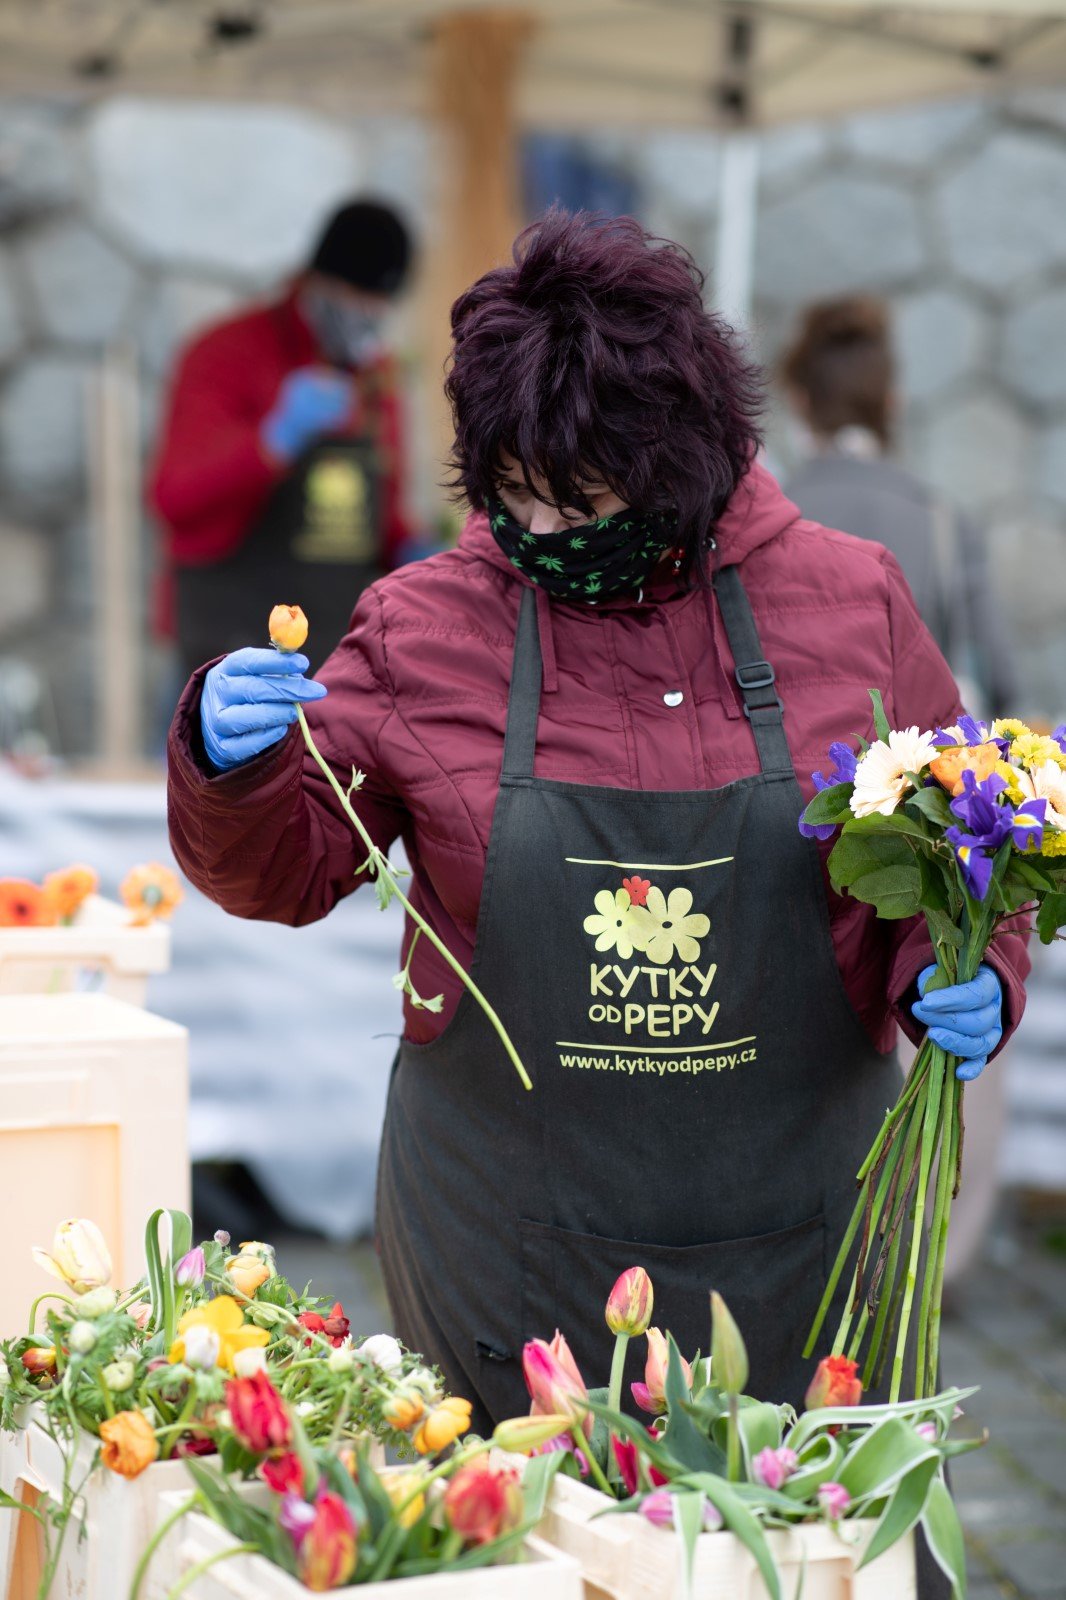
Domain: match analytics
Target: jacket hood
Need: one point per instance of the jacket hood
(757, 513)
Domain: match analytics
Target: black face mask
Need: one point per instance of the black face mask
(587, 561)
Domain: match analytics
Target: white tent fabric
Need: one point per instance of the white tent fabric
(653, 61)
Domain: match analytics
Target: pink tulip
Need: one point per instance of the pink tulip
(629, 1306)
(772, 1467)
(926, 1431)
(651, 1394)
(835, 1500)
(191, 1269)
(554, 1383)
(658, 1508)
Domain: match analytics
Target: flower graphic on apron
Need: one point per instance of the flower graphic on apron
(668, 926)
(615, 923)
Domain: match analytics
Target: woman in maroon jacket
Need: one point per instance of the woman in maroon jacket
(586, 723)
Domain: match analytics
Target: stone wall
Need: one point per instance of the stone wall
(140, 220)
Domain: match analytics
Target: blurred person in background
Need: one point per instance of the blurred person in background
(839, 377)
(279, 473)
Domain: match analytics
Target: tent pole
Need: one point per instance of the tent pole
(734, 268)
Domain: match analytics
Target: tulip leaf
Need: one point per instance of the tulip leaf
(600, 1439)
(538, 1475)
(740, 1521)
(819, 1463)
(813, 1423)
(905, 1506)
(940, 1521)
(830, 805)
(760, 1429)
(681, 1437)
(688, 1519)
(881, 723)
(889, 1451)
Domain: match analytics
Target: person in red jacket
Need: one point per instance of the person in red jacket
(593, 724)
(279, 470)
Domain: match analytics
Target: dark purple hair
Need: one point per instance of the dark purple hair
(593, 356)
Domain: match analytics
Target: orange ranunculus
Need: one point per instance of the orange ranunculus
(288, 628)
(128, 1443)
(948, 767)
(443, 1426)
(70, 888)
(150, 891)
(247, 1272)
(835, 1383)
(403, 1409)
(26, 905)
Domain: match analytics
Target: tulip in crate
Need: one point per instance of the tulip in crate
(722, 1495)
(61, 934)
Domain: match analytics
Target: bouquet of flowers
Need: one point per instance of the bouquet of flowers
(142, 1374)
(714, 1457)
(966, 825)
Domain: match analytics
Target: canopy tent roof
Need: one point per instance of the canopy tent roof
(588, 61)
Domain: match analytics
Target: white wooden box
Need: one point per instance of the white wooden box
(113, 1521)
(93, 1123)
(545, 1574)
(623, 1556)
(99, 949)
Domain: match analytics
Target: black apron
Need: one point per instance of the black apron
(699, 1107)
(317, 544)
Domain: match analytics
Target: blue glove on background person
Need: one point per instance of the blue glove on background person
(312, 401)
(249, 703)
(965, 1019)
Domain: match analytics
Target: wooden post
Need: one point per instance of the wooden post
(476, 59)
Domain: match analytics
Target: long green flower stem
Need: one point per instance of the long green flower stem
(156, 1540)
(379, 867)
(883, 1281)
(939, 1232)
(187, 1579)
(931, 1131)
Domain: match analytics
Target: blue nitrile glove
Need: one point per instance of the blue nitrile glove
(966, 1019)
(248, 703)
(311, 401)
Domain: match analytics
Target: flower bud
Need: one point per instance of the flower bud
(658, 1508)
(651, 1394)
(288, 628)
(403, 1409)
(247, 1272)
(772, 1467)
(249, 1361)
(97, 1302)
(82, 1337)
(258, 1414)
(835, 1383)
(221, 1237)
(202, 1346)
(629, 1306)
(482, 1503)
(554, 1382)
(341, 1359)
(191, 1269)
(384, 1351)
(523, 1435)
(327, 1549)
(729, 1356)
(926, 1431)
(119, 1375)
(39, 1359)
(834, 1500)
(443, 1426)
(79, 1255)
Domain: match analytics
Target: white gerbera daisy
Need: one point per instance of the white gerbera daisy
(880, 777)
(1046, 782)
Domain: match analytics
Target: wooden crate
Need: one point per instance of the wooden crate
(545, 1574)
(623, 1557)
(93, 1123)
(99, 950)
(113, 1521)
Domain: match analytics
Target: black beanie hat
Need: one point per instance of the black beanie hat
(366, 245)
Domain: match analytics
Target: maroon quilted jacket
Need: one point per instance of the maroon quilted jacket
(417, 701)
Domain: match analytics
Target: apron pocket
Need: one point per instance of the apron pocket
(771, 1282)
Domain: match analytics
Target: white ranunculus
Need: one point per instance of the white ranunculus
(1046, 782)
(201, 1346)
(384, 1351)
(248, 1362)
(880, 781)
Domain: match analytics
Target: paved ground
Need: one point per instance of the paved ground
(1006, 1331)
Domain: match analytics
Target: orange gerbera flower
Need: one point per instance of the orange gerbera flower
(150, 891)
(25, 905)
(70, 888)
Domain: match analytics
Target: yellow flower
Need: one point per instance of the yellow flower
(150, 891)
(1054, 844)
(443, 1425)
(1010, 728)
(615, 924)
(403, 1409)
(1034, 749)
(128, 1443)
(666, 926)
(398, 1486)
(223, 1317)
(288, 628)
(1010, 776)
(248, 1271)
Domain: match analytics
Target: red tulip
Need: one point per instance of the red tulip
(284, 1474)
(834, 1384)
(554, 1382)
(630, 1303)
(258, 1415)
(482, 1504)
(327, 1553)
(628, 1458)
(39, 1359)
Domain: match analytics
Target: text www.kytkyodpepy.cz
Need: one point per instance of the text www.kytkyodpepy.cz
(660, 1066)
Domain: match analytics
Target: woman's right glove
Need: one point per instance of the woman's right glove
(249, 703)
(312, 402)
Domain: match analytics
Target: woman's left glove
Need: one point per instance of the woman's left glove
(966, 1020)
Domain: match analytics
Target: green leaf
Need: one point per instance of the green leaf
(905, 1506)
(688, 1513)
(739, 1520)
(760, 1429)
(856, 854)
(894, 891)
(881, 723)
(940, 1521)
(1031, 874)
(898, 822)
(883, 1456)
(819, 1463)
(538, 1475)
(681, 1437)
(933, 803)
(1051, 916)
(830, 805)
(941, 926)
(600, 1440)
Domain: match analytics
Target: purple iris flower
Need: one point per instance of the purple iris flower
(976, 864)
(973, 732)
(1028, 825)
(988, 823)
(844, 762)
(1059, 736)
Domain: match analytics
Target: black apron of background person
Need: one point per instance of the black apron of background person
(504, 1214)
(317, 544)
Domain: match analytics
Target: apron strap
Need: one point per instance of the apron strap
(754, 674)
(523, 705)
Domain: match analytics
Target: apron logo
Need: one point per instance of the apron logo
(670, 993)
(639, 917)
(336, 513)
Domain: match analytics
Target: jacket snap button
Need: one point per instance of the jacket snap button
(673, 697)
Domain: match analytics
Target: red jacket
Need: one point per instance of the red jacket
(417, 701)
(211, 477)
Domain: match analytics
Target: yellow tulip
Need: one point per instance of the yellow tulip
(79, 1255)
(444, 1424)
(398, 1486)
(288, 628)
(223, 1317)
